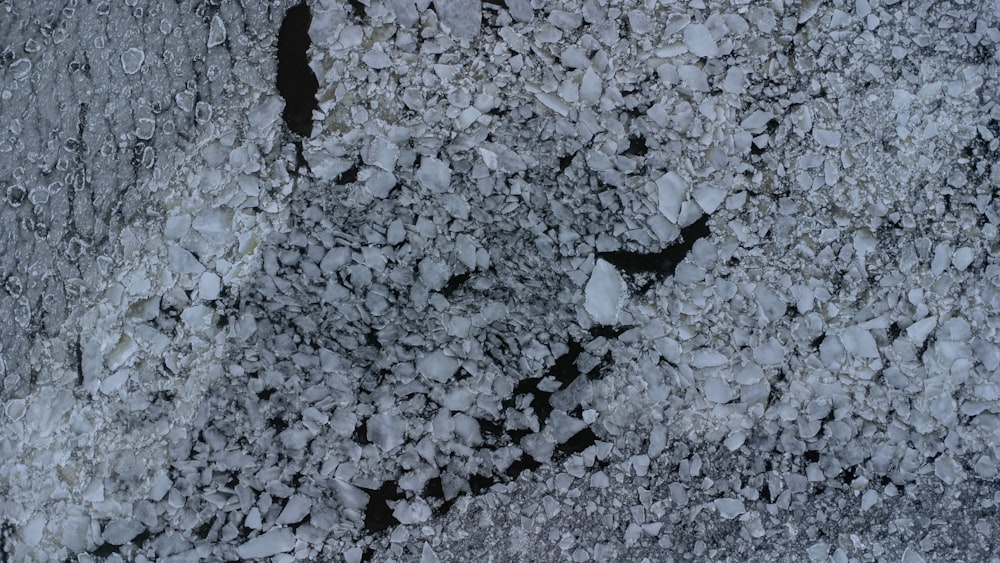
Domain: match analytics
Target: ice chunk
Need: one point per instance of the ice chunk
(729, 508)
(34, 529)
(412, 512)
(437, 366)
(709, 198)
(920, 330)
(868, 499)
(460, 18)
(120, 532)
(963, 258)
(604, 293)
(826, 137)
(735, 81)
(182, 261)
(718, 391)
(693, 77)
(859, 342)
(209, 286)
(948, 470)
(277, 540)
(216, 32)
(427, 555)
(699, 41)
(381, 153)
(434, 274)
(295, 510)
(377, 60)
(756, 121)
(386, 431)
(672, 191)
(591, 87)
(132, 60)
(434, 175)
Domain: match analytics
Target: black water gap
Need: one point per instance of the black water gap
(659, 264)
(296, 82)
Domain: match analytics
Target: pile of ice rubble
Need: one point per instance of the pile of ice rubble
(568, 281)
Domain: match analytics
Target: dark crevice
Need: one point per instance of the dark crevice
(378, 514)
(297, 83)
(359, 8)
(455, 282)
(348, 176)
(578, 442)
(660, 264)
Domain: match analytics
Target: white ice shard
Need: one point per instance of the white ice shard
(604, 293)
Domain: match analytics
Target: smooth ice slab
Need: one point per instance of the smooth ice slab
(604, 293)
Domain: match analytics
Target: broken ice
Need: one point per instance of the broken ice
(605, 293)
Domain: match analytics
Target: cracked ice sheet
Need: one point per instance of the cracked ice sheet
(717, 356)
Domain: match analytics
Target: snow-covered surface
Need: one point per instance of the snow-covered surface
(405, 337)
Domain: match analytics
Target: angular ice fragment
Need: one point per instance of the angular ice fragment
(604, 293)
(181, 261)
(381, 153)
(859, 342)
(209, 286)
(434, 175)
(920, 330)
(460, 18)
(465, 247)
(553, 102)
(412, 512)
(735, 81)
(277, 540)
(672, 191)
(868, 499)
(386, 431)
(434, 274)
(826, 137)
(591, 87)
(295, 510)
(948, 470)
(132, 60)
(756, 121)
(963, 258)
(427, 554)
(216, 32)
(729, 508)
(699, 41)
(709, 198)
(120, 532)
(34, 529)
(265, 114)
(436, 366)
(718, 391)
(693, 77)
(377, 60)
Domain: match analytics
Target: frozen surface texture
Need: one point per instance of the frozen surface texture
(516, 280)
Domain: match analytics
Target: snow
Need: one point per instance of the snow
(605, 293)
